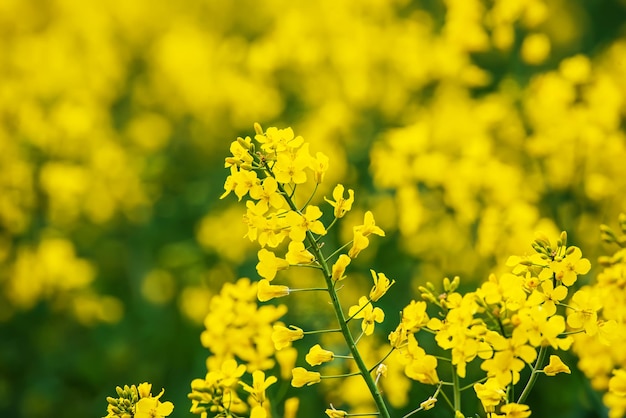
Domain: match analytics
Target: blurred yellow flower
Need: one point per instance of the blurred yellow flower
(535, 48)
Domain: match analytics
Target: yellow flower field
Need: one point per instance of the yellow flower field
(203, 195)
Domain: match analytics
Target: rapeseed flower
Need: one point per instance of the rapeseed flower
(269, 264)
(369, 314)
(339, 268)
(341, 205)
(381, 285)
(259, 385)
(317, 355)
(302, 376)
(556, 366)
(283, 336)
(267, 291)
(514, 410)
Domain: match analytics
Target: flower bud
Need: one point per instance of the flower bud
(258, 129)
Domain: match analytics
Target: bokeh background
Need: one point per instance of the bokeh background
(464, 125)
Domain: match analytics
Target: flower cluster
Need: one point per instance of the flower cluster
(217, 393)
(601, 355)
(138, 402)
(238, 330)
(509, 323)
(272, 171)
(494, 342)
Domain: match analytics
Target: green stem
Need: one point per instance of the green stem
(345, 330)
(533, 375)
(457, 389)
(321, 331)
(471, 385)
(337, 376)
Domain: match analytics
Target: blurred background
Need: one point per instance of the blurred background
(464, 125)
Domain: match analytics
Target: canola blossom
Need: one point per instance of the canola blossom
(508, 325)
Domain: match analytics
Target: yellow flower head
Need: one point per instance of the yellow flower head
(269, 264)
(282, 336)
(339, 268)
(144, 389)
(556, 366)
(369, 314)
(297, 254)
(259, 385)
(361, 232)
(152, 407)
(299, 224)
(617, 383)
(490, 393)
(267, 291)
(381, 285)
(301, 377)
(319, 165)
(317, 355)
(515, 410)
(341, 204)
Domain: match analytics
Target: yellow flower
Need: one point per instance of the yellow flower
(421, 366)
(291, 407)
(369, 226)
(339, 268)
(381, 285)
(335, 413)
(617, 383)
(548, 296)
(290, 166)
(535, 48)
(282, 336)
(302, 376)
(301, 223)
(269, 264)
(297, 254)
(267, 291)
(259, 385)
(152, 407)
(278, 140)
(258, 412)
(414, 316)
(230, 372)
(286, 359)
(515, 410)
(584, 313)
(359, 243)
(317, 355)
(361, 232)
(144, 389)
(319, 165)
(267, 194)
(568, 268)
(369, 314)
(556, 366)
(341, 205)
(490, 394)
